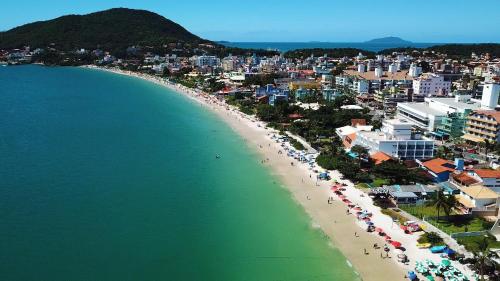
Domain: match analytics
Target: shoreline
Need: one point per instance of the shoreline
(345, 231)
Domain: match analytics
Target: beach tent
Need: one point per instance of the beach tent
(449, 251)
(445, 263)
(412, 275)
(437, 249)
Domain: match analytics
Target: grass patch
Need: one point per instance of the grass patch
(420, 211)
(454, 224)
(471, 243)
(380, 182)
(394, 215)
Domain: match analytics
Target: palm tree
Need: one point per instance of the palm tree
(451, 202)
(440, 202)
(483, 256)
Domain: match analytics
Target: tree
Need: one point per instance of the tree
(361, 151)
(266, 112)
(440, 202)
(451, 202)
(483, 257)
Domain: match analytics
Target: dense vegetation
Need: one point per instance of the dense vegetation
(453, 50)
(110, 29)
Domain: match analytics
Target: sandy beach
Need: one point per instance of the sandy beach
(346, 232)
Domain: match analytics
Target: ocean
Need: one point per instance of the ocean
(287, 46)
(107, 177)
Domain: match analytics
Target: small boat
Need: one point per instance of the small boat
(217, 156)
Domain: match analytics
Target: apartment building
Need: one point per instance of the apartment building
(483, 125)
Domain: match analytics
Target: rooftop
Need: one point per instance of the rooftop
(488, 173)
(451, 102)
(491, 113)
(439, 165)
(370, 75)
(379, 157)
(464, 178)
(479, 192)
(421, 108)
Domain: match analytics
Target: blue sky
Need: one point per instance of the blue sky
(295, 20)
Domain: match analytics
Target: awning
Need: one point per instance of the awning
(472, 138)
(465, 202)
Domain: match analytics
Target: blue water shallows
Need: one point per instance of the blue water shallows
(105, 177)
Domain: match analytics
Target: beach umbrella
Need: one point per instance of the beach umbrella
(429, 277)
(446, 262)
(378, 229)
(396, 244)
(388, 237)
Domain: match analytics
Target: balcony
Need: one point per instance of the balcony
(483, 120)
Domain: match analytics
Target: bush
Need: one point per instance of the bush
(430, 237)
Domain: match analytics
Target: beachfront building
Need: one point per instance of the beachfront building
(483, 125)
(439, 169)
(397, 140)
(406, 194)
(478, 199)
(431, 85)
(487, 177)
(272, 94)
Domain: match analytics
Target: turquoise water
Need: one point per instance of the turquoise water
(105, 177)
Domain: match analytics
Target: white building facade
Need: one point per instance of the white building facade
(431, 85)
(397, 140)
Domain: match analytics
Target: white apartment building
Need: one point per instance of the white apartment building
(342, 80)
(202, 61)
(431, 85)
(360, 86)
(490, 95)
(397, 140)
(428, 115)
(228, 64)
(415, 70)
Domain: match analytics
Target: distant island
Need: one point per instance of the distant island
(388, 40)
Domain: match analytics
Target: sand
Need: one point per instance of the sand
(313, 197)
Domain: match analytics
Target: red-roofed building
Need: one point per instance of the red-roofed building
(488, 177)
(439, 168)
(379, 157)
(348, 140)
(358, 122)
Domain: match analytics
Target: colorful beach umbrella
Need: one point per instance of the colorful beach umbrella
(396, 244)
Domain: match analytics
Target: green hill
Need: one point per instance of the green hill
(111, 29)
